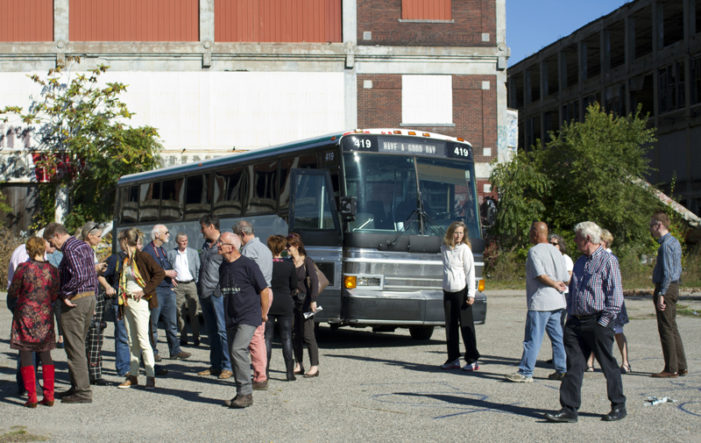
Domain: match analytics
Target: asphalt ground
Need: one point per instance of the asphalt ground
(379, 387)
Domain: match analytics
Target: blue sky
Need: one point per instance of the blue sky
(532, 25)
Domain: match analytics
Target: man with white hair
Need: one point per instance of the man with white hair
(593, 302)
(246, 298)
(165, 295)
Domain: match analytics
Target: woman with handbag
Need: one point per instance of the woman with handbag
(137, 296)
(458, 297)
(305, 301)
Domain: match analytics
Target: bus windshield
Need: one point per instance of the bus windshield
(413, 195)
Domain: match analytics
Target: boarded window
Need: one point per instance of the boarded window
(426, 10)
(427, 99)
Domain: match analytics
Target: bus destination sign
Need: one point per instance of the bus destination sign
(417, 147)
(407, 146)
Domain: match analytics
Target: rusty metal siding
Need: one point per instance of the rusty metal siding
(277, 21)
(134, 20)
(26, 20)
(426, 10)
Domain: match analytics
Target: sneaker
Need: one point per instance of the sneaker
(455, 364)
(517, 377)
(556, 376)
(471, 367)
(182, 355)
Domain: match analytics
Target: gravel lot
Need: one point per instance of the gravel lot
(379, 387)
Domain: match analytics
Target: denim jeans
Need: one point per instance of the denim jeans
(121, 344)
(215, 323)
(537, 323)
(166, 308)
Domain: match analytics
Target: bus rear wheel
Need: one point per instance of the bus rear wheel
(421, 332)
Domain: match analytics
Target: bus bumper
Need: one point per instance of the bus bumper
(424, 307)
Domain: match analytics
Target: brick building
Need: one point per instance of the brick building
(214, 75)
(647, 52)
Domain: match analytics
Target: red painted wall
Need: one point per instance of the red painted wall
(134, 20)
(26, 20)
(277, 21)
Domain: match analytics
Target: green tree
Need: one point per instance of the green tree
(586, 171)
(81, 127)
(521, 189)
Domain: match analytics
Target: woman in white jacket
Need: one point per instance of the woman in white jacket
(458, 297)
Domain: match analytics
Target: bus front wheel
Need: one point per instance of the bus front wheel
(421, 332)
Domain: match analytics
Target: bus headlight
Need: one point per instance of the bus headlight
(349, 281)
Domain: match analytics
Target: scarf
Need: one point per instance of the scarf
(123, 280)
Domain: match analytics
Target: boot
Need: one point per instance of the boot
(49, 371)
(240, 401)
(290, 370)
(30, 384)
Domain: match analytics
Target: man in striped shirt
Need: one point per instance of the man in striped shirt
(78, 290)
(593, 302)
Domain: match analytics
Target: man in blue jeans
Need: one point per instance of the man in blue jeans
(211, 300)
(546, 277)
(166, 296)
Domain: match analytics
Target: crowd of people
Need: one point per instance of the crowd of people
(231, 281)
(245, 289)
(578, 304)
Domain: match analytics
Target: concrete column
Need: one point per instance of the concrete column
(61, 30)
(61, 20)
(349, 17)
(207, 31)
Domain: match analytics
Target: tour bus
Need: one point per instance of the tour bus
(372, 207)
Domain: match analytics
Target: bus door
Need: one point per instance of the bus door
(313, 215)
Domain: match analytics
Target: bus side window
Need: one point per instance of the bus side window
(230, 192)
(198, 196)
(304, 160)
(264, 189)
(149, 201)
(129, 202)
(172, 199)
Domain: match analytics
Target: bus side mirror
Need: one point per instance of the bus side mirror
(349, 207)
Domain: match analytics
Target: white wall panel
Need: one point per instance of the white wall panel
(222, 110)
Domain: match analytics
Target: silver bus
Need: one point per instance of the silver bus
(371, 206)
